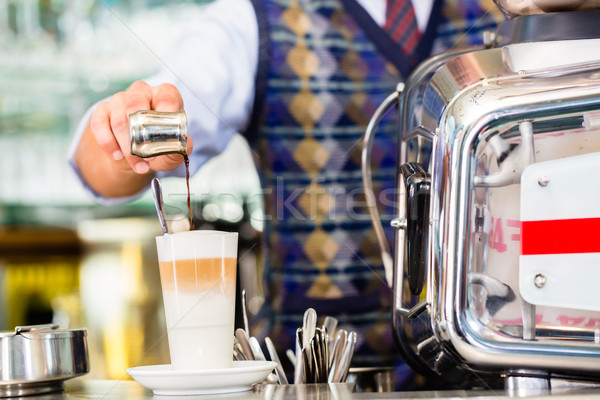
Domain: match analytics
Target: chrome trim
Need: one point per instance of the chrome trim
(384, 249)
(512, 166)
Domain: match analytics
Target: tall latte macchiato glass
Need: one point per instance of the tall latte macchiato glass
(197, 274)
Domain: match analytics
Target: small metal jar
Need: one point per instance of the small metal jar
(38, 359)
(155, 133)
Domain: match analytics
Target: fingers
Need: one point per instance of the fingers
(137, 97)
(100, 126)
(166, 97)
(190, 145)
(119, 123)
(169, 161)
(110, 122)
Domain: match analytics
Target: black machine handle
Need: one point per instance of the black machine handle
(412, 225)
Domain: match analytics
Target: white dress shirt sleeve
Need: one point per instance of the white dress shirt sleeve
(214, 66)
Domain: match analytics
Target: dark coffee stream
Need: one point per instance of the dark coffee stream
(186, 160)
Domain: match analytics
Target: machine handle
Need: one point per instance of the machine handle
(392, 100)
(411, 242)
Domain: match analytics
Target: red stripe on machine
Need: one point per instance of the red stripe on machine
(560, 236)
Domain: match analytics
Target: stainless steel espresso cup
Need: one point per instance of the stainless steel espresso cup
(154, 133)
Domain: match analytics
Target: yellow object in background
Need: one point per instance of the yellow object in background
(30, 289)
(39, 267)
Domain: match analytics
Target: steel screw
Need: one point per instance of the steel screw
(539, 281)
(543, 181)
(399, 223)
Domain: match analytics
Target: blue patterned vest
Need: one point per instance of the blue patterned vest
(324, 68)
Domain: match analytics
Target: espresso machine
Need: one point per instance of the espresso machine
(496, 266)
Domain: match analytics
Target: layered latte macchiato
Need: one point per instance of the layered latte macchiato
(198, 275)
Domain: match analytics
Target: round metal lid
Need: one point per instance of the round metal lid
(47, 331)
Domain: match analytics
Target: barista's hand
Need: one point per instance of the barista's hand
(110, 125)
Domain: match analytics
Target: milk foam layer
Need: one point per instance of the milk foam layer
(206, 347)
(190, 309)
(200, 329)
(196, 244)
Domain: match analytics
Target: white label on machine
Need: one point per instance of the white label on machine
(559, 264)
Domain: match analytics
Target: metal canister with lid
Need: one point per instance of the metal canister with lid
(39, 358)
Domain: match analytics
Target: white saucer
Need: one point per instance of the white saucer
(164, 380)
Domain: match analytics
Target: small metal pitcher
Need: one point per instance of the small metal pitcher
(154, 133)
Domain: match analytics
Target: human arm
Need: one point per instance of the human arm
(103, 156)
(213, 67)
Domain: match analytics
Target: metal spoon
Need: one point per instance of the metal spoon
(259, 355)
(341, 369)
(316, 360)
(347, 356)
(336, 355)
(298, 365)
(244, 341)
(308, 327)
(160, 207)
(237, 348)
(256, 350)
(330, 324)
(321, 337)
(274, 357)
(245, 312)
(291, 356)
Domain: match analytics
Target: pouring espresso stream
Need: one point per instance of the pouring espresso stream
(155, 133)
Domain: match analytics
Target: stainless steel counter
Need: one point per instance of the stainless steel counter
(130, 390)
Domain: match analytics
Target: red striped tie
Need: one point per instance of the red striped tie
(401, 24)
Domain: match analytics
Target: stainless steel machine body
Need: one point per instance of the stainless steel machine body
(496, 253)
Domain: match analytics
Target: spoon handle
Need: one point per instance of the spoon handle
(274, 357)
(243, 340)
(245, 312)
(160, 207)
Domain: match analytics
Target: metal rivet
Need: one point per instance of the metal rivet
(543, 181)
(539, 281)
(399, 223)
